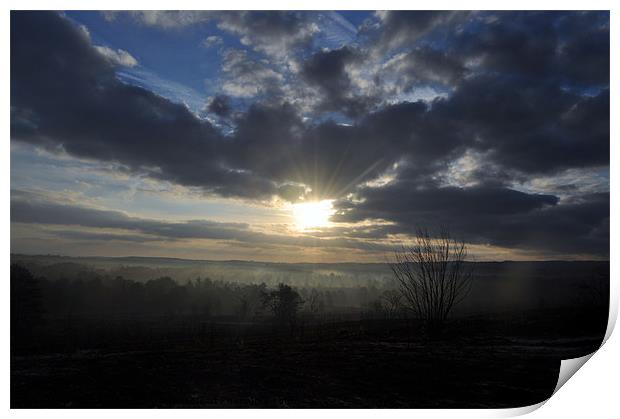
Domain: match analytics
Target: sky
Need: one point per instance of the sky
(309, 136)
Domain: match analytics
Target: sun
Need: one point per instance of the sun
(310, 215)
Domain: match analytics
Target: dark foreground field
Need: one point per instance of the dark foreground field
(484, 361)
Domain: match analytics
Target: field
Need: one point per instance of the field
(500, 361)
(136, 332)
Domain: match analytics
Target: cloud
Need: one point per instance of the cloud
(424, 65)
(220, 105)
(33, 209)
(510, 118)
(169, 19)
(275, 33)
(488, 215)
(212, 41)
(246, 77)
(562, 49)
(117, 57)
(52, 213)
(99, 237)
(481, 215)
(95, 116)
(566, 48)
(400, 28)
(331, 159)
(328, 72)
(467, 201)
(521, 96)
(174, 91)
(64, 94)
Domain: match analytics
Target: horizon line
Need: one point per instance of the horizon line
(290, 263)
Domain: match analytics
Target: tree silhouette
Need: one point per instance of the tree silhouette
(432, 276)
(26, 307)
(392, 303)
(315, 303)
(284, 303)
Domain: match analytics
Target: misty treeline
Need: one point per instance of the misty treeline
(92, 295)
(272, 274)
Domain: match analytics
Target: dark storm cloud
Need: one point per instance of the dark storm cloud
(579, 227)
(584, 53)
(64, 94)
(529, 126)
(564, 48)
(569, 48)
(425, 65)
(467, 201)
(529, 92)
(220, 105)
(327, 68)
(488, 215)
(34, 209)
(71, 98)
(327, 71)
(333, 159)
(521, 130)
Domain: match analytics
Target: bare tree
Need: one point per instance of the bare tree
(392, 303)
(432, 275)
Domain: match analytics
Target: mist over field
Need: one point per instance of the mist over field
(218, 325)
(353, 287)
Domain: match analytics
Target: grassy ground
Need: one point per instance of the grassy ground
(477, 362)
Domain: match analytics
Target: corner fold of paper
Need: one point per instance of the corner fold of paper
(569, 367)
